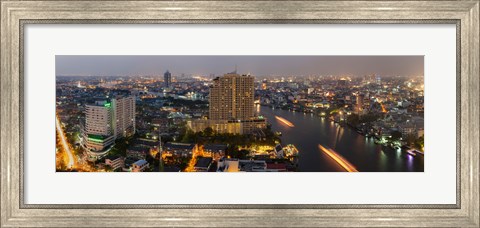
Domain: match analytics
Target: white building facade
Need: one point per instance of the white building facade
(106, 121)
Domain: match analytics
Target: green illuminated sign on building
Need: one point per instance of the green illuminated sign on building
(95, 138)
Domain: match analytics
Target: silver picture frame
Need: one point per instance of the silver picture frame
(16, 14)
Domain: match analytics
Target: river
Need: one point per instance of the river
(309, 131)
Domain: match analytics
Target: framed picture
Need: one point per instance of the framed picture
(240, 113)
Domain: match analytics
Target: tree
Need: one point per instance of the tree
(208, 132)
(353, 119)
(368, 118)
(189, 136)
(396, 135)
(120, 147)
(108, 168)
(240, 154)
(419, 143)
(411, 139)
(243, 154)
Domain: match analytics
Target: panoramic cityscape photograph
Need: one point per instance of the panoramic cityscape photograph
(239, 113)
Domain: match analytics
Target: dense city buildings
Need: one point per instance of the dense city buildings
(180, 122)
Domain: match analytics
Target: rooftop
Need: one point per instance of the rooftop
(113, 157)
(231, 166)
(140, 162)
(184, 146)
(104, 103)
(146, 142)
(139, 148)
(252, 165)
(215, 147)
(203, 162)
(280, 166)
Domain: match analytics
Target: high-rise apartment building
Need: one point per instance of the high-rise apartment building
(123, 116)
(378, 79)
(231, 106)
(98, 135)
(359, 103)
(105, 121)
(232, 97)
(167, 78)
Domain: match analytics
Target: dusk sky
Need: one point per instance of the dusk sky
(116, 65)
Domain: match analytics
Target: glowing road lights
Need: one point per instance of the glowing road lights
(65, 145)
(72, 163)
(284, 121)
(339, 159)
(383, 107)
(197, 152)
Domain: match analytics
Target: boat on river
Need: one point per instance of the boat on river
(411, 152)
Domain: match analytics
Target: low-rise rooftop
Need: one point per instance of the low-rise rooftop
(140, 162)
(215, 147)
(203, 162)
(183, 146)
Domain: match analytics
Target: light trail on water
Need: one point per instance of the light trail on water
(339, 159)
(284, 121)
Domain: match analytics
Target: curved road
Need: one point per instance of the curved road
(63, 141)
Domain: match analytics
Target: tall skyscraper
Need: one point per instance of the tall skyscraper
(232, 97)
(167, 78)
(105, 121)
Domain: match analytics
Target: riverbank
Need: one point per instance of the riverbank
(311, 130)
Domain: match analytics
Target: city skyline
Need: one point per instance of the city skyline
(256, 65)
(235, 123)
